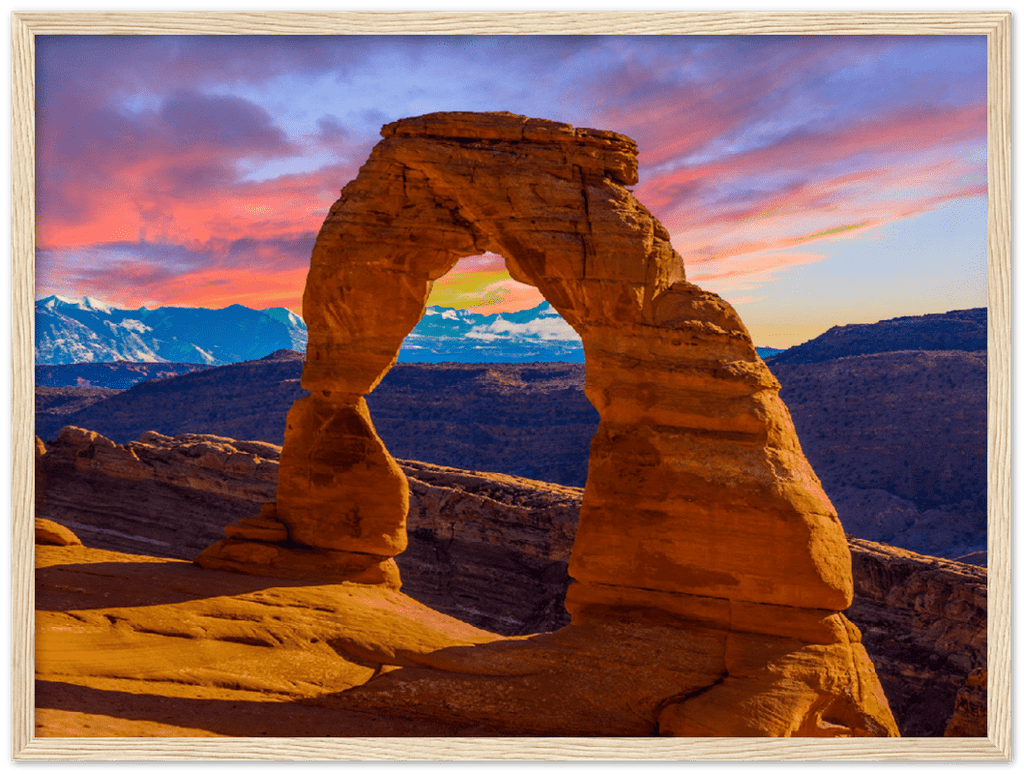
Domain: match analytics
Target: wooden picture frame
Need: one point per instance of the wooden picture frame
(996, 26)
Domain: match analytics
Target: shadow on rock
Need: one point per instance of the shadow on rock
(102, 585)
(227, 717)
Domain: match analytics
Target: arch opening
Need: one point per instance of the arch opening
(497, 388)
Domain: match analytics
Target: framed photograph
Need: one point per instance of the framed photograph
(525, 386)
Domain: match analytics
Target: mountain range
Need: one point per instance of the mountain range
(86, 330)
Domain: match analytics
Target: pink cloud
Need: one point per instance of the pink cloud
(749, 148)
(886, 140)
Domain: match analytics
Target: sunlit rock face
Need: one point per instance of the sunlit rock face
(699, 502)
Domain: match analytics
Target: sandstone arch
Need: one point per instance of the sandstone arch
(696, 474)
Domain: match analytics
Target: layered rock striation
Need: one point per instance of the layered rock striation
(695, 471)
(157, 495)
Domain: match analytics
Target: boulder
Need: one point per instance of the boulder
(50, 533)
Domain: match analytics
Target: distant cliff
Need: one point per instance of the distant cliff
(964, 330)
(118, 375)
(899, 441)
(525, 419)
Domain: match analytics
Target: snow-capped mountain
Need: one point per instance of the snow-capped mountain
(86, 330)
(460, 336)
(531, 335)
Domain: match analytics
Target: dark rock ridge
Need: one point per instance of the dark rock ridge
(493, 550)
(530, 420)
(964, 329)
(118, 375)
(55, 404)
(241, 400)
(899, 441)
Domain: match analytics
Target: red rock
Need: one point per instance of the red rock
(492, 550)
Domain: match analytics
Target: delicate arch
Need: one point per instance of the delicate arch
(695, 470)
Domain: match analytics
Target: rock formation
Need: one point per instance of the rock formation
(897, 439)
(493, 551)
(695, 474)
(50, 533)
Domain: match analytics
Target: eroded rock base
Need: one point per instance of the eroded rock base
(130, 645)
(598, 679)
(276, 560)
(260, 545)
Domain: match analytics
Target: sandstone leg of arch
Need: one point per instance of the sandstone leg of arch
(697, 482)
(699, 503)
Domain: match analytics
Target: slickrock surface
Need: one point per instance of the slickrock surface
(139, 646)
(131, 646)
(493, 550)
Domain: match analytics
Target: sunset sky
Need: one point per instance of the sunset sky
(810, 181)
